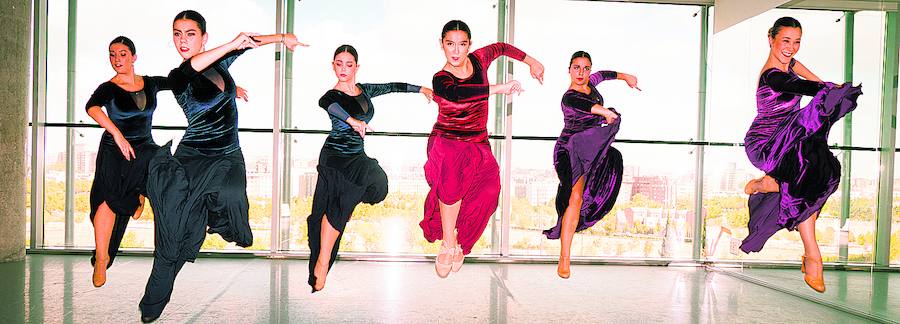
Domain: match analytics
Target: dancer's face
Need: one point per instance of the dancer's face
(121, 59)
(188, 38)
(786, 44)
(345, 66)
(580, 71)
(456, 47)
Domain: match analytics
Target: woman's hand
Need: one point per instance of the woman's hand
(512, 87)
(537, 71)
(428, 93)
(630, 80)
(241, 93)
(290, 41)
(606, 113)
(244, 40)
(124, 147)
(359, 126)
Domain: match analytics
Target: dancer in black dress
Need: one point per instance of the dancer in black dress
(119, 186)
(203, 187)
(347, 176)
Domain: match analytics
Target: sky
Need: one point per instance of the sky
(398, 40)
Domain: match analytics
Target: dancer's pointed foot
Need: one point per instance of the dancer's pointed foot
(814, 279)
(320, 271)
(765, 184)
(99, 277)
(458, 259)
(562, 269)
(138, 212)
(443, 263)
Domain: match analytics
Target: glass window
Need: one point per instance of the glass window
(389, 51)
(151, 32)
(868, 70)
(391, 226)
(54, 187)
(57, 45)
(666, 109)
(860, 226)
(738, 53)
(895, 220)
(652, 218)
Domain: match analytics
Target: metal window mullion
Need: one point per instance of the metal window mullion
(277, 107)
(72, 30)
(502, 119)
(887, 141)
(284, 232)
(38, 117)
(701, 135)
(846, 155)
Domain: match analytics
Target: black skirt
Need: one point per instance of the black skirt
(118, 183)
(192, 194)
(344, 181)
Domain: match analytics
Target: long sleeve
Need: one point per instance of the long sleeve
(373, 90)
(337, 111)
(329, 102)
(489, 53)
(446, 87)
(603, 75)
(786, 83)
(180, 77)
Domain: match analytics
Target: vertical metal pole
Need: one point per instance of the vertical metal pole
(277, 106)
(507, 141)
(38, 117)
(70, 118)
(500, 239)
(887, 141)
(701, 136)
(286, 213)
(848, 140)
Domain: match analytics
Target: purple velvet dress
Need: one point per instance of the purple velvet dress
(583, 149)
(789, 143)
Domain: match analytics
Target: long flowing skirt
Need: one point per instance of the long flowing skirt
(119, 182)
(192, 194)
(796, 155)
(458, 170)
(344, 181)
(587, 154)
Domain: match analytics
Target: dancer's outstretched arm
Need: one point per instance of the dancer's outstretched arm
(243, 41)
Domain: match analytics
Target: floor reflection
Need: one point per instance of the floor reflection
(57, 288)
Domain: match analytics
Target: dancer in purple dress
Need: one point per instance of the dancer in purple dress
(788, 143)
(589, 169)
